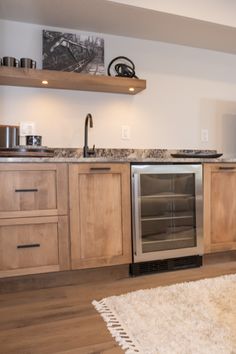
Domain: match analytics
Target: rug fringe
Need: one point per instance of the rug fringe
(115, 327)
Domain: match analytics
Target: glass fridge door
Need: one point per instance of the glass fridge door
(167, 211)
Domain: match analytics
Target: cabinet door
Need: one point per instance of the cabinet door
(33, 190)
(219, 207)
(33, 245)
(100, 220)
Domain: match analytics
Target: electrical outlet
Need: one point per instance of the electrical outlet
(125, 132)
(204, 135)
(27, 128)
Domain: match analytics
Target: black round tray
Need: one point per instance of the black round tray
(199, 155)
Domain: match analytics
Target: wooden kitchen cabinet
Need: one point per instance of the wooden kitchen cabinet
(33, 245)
(100, 220)
(33, 190)
(33, 218)
(219, 207)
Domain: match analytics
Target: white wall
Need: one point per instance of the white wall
(217, 11)
(187, 89)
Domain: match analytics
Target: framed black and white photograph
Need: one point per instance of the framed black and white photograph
(73, 52)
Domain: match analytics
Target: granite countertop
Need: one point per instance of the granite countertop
(118, 155)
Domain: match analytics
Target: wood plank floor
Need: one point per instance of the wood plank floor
(62, 320)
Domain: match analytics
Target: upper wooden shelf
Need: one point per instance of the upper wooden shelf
(69, 81)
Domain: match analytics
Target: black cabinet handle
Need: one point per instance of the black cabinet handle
(100, 169)
(32, 245)
(26, 190)
(226, 168)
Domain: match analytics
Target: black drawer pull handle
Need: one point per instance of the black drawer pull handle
(29, 245)
(26, 190)
(100, 168)
(226, 168)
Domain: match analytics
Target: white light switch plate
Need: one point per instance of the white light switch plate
(204, 135)
(125, 132)
(27, 128)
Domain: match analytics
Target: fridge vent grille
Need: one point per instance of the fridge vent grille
(165, 265)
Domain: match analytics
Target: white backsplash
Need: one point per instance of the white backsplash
(188, 90)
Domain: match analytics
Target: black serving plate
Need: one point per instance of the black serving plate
(198, 155)
(27, 151)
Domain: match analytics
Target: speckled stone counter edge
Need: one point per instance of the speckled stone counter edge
(118, 155)
(126, 154)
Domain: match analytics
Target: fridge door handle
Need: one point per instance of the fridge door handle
(136, 211)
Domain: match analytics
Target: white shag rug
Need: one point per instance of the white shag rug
(197, 317)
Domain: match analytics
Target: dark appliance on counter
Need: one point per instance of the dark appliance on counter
(34, 140)
(10, 144)
(9, 136)
(166, 217)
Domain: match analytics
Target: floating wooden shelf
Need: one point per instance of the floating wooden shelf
(69, 81)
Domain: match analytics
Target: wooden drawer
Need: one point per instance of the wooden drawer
(33, 245)
(33, 190)
(99, 168)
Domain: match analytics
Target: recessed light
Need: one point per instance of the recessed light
(131, 89)
(44, 82)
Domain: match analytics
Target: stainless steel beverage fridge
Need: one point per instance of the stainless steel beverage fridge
(167, 217)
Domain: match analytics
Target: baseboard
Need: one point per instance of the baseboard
(86, 276)
(51, 280)
(219, 257)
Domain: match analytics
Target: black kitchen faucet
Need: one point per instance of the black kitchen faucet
(86, 151)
